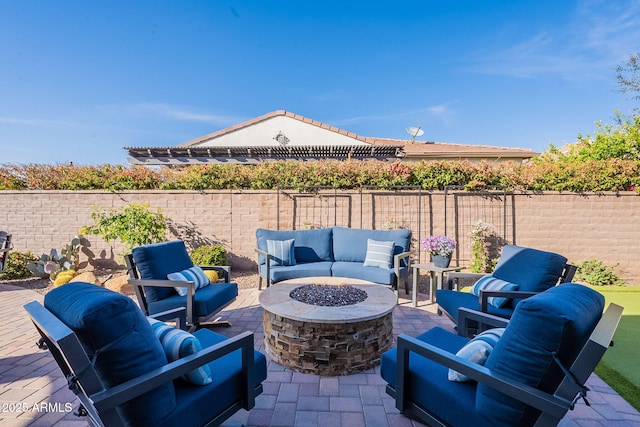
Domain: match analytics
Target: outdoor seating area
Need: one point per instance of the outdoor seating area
(288, 397)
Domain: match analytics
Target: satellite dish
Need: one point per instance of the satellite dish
(415, 132)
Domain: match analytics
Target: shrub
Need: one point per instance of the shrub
(16, 267)
(595, 273)
(210, 255)
(134, 225)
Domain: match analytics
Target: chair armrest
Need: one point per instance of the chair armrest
(466, 316)
(455, 276)
(135, 387)
(191, 290)
(178, 314)
(223, 270)
(485, 294)
(538, 399)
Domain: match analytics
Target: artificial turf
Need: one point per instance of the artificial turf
(618, 367)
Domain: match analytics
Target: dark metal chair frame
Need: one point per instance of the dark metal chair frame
(5, 248)
(552, 406)
(99, 403)
(193, 321)
(483, 300)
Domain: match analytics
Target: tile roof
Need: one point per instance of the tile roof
(411, 148)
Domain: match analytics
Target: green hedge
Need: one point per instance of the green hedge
(602, 175)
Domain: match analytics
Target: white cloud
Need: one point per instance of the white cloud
(442, 111)
(187, 114)
(598, 36)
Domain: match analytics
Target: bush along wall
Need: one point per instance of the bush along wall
(540, 175)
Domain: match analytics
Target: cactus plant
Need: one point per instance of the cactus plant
(53, 263)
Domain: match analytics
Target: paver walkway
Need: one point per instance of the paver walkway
(33, 392)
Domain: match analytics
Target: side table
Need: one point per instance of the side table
(435, 272)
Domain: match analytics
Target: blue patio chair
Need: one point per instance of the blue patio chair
(520, 273)
(148, 268)
(117, 364)
(533, 374)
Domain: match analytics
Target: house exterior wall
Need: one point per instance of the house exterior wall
(263, 133)
(601, 226)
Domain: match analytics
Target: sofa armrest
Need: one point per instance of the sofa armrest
(531, 396)
(223, 270)
(135, 387)
(267, 257)
(484, 320)
(396, 265)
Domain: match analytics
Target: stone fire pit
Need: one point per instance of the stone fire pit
(338, 331)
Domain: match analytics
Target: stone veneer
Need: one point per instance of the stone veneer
(325, 340)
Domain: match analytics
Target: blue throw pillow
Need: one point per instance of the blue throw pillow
(194, 274)
(477, 351)
(490, 283)
(178, 344)
(379, 254)
(282, 252)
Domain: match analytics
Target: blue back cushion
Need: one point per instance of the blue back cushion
(309, 245)
(350, 244)
(156, 261)
(532, 270)
(560, 319)
(118, 337)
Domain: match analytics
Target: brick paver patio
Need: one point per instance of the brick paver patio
(33, 392)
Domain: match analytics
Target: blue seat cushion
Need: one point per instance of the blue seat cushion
(429, 387)
(373, 274)
(207, 300)
(450, 301)
(560, 320)
(531, 269)
(197, 405)
(115, 333)
(309, 245)
(156, 261)
(307, 269)
(350, 244)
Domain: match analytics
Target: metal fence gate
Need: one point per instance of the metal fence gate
(369, 207)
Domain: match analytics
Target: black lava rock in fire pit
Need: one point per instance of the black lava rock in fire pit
(328, 295)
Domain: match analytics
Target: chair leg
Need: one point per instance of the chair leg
(212, 324)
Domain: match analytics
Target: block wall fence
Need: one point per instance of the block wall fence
(603, 226)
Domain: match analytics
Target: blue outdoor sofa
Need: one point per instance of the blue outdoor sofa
(379, 256)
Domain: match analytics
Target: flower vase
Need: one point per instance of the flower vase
(441, 261)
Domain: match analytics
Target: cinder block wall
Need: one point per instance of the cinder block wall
(602, 226)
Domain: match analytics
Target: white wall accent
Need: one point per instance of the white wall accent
(264, 132)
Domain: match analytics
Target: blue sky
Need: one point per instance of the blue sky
(80, 80)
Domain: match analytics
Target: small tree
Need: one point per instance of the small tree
(134, 225)
(629, 76)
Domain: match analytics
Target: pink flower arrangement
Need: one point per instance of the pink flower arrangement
(439, 245)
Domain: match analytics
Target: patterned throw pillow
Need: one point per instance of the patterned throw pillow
(282, 252)
(178, 344)
(490, 283)
(477, 351)
(379, 254)
(193, 274)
